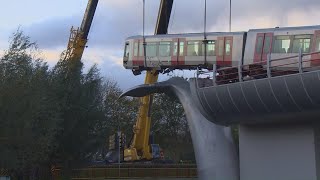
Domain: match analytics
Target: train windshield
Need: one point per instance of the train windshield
(126, 50)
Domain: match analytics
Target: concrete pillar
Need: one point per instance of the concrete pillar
(279, 152)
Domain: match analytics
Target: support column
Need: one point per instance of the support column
(278, 152)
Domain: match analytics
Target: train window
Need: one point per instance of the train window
(164, 49)
(228, 47)
(318, 44)
(303, 42)
(135, 49)
(181, 48)
(193, 48)
(151, 49)
(267, 43)
(141, 49)
(281, 44)
(221, 46)
(211, 48)
(126, 50)
(259, 45)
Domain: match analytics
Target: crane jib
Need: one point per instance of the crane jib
(88, 17)
(164, 17)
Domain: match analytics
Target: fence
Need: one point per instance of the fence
(264, 69)
(131, 171)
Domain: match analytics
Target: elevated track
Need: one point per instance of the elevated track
(267, 97)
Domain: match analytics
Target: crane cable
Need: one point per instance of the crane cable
(143, 35)
(172, 19)
(230, 16)
(204, 32)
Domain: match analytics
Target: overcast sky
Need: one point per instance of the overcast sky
(48, 23)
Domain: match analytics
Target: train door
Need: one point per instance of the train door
(178, 51)
(224, 55)
(263, 47)
(316, 48)
(138, 56)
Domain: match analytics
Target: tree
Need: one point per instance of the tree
(80, 98)
(170, 128)
(47, 116)
(28, 120)
(120, 113)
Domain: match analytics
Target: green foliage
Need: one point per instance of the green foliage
(47, 116)
(80, 100)
(28, 121)
(170, 128)
(120, 113)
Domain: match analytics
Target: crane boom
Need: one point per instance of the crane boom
(140, 148)
(88, 17)
(78, 36)
(163, 17)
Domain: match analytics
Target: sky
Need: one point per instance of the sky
(48, 23)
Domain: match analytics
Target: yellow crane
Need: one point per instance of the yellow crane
(78, 36)
(140, 149)
(78, 40)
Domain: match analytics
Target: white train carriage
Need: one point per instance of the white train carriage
(281, 43)
(184, 51)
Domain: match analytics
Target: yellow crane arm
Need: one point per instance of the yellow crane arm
(78, 36)
(140, 148)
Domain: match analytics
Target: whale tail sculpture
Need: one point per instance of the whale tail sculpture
(215, 151)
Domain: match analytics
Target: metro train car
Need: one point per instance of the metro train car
(184, 51)
(225, 49)
(282, 43)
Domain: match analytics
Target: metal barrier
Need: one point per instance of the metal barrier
(4, 172)
(131, 171)
(264, 69)
(37, 174)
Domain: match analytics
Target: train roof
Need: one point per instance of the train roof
(226, 33)
(187, 35)
(286, 28)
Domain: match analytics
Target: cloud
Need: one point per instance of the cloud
(113, 22)
(17, 12)
(116, 20)
(51, 33)
(51, 55)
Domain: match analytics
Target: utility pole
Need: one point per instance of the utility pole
(119, 151)
(205, 31)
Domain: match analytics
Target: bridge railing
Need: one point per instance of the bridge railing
(303, 62)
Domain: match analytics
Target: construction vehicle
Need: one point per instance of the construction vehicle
(139, 148)
(78, 36)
